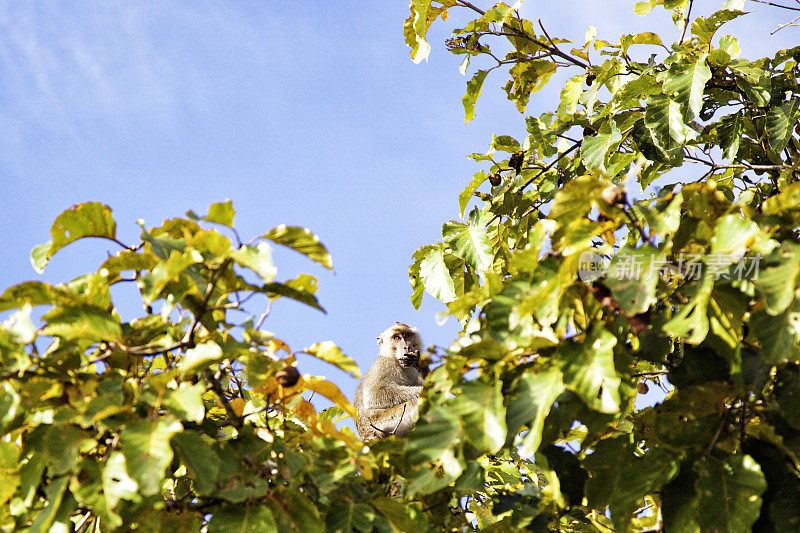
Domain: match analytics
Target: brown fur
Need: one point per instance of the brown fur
(387, 399)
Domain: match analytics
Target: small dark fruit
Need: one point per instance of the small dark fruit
(287, 376)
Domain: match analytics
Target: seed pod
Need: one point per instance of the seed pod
(287, 376)
(613, 195)
(516, 160)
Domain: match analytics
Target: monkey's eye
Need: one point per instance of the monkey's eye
(396, 337)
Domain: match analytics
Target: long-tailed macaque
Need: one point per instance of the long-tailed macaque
(387, 399)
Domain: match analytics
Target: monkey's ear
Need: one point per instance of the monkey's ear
(380, 341)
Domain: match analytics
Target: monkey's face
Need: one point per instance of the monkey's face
(403, 343)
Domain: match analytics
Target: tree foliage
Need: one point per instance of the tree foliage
(575, 296)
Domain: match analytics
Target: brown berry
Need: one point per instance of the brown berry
(495, 179)
(642, 387)
(287, 376)
(516, 161)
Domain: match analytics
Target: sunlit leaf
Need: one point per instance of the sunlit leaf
(739, 479)
(687, 82)
(330, 353)
(147, 451)
(91, 219)
(82, 322)
(588, 369)
(436, 277)
(530, 403)
(301, 240)
(474, 86)
(471, 243)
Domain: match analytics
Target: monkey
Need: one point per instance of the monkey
(387, 398)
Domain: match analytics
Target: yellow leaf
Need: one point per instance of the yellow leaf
(327, 389)
(238, 406)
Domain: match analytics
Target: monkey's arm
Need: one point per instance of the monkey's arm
(397, 420)
(385, 397)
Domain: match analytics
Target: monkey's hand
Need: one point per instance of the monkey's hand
(410, 359)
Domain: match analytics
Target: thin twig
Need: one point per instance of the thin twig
(686, 21)
(777, 5)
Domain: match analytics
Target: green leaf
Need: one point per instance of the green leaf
(687, 82)
(705, 28)
(469, 190)
(781, 120)
(396, 513)
(691, 320)
(664, 118)
(200, 459)
(330, 353)
(200, 357)
(480, 406)
(186, 402)
(471, 243)
(665, 216)
(575, 200)
(528, 77)
(644, 8)
(117, 484)
(82, 322)
(257, 258)
(532, 397)
(632, 277)
(54, 495)
(251, 518)
(417, 285)
(620, 477)
(730, 492)
(436, 277)
(474, 86)
(569, 96)
(787, 392)
(221, 213)
(415, 28)
(733, 235)
(147, 451)
(91, 219)
(9, 476)
(730, 133)
(345, 515)
(735, 5)
(755, 83)
(276, 290)
(777, 277)
(778, 335)
(589, 370)
(301, 240)
(505, 143)
(10, 403)
(436, 432)
(597, 148)
(19, 327)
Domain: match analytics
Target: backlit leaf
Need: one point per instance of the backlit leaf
(91, 219)
(330, 353)
(147, 451)
(730, 492)
(301, 240)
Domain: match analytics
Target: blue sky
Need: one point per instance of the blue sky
(306, 114)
